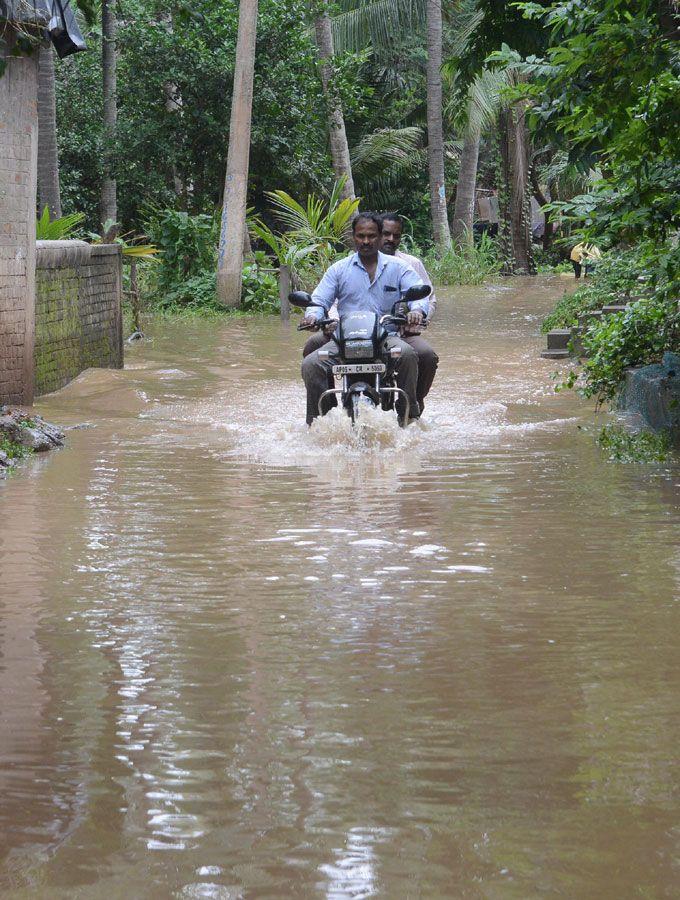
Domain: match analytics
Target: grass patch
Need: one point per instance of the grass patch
(634, 447)
(13, 450)
(469, 264)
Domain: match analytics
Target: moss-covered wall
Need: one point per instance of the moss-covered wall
(78, 320)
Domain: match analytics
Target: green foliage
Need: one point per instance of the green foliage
(312, 236)
(608, 90)
(640, 447)
(187, 245)
(185, 280)
(468, 264)
(14, 451)
(638, 336)
(570, 306)
(175, 77)
(60, 229)
(618, 276)
(260, 292)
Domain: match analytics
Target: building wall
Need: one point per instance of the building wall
(18, 180)
(78, 319)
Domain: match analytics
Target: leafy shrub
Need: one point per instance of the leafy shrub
(637, 336)
(260, 291)
(469, 264)
(188, 245)
(14, 451)
(644, 446)
(570, 306)
(616, 277)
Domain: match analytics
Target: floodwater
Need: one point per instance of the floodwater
(238, 659)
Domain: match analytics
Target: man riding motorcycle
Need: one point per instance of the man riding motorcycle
(365, 280)
(392, 228)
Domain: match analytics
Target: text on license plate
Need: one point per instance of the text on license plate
(358, 368)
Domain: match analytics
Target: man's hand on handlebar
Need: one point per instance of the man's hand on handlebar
(310, 322)
(414, 317)
(329, 329)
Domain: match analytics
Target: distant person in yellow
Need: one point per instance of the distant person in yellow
(583, 256)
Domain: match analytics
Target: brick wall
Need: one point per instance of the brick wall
(78, 320)
(18, 175)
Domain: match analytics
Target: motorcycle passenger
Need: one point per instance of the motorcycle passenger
(427, 358)
(365, 280)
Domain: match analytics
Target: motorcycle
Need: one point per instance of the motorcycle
(365, 366)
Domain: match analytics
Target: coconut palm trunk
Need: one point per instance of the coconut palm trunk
(336, 122)
(48, 160)
(232, 231)
(435, 130)
(514, 203)
(463, 214)
(108, 205)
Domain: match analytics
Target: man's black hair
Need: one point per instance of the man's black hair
(369, 217)
(393, 217)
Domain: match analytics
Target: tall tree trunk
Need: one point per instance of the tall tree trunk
(48, 159)
(514, 194)
(336, 121)
(108, 200)
(463, 213)
(230, 251)
(435, 135)
(543, 200)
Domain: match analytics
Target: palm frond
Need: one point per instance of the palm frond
(377, 22)
(60, 229)
(383, 149)
(485, 98)
(468, 20)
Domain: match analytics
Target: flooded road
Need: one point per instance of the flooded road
(238, 659)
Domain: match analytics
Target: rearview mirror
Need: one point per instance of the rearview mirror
(301, 299)
(417, 292)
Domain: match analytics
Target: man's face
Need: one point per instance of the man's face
(391, 236)
(366, 238)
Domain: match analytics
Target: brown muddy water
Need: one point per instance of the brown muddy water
(238, 659)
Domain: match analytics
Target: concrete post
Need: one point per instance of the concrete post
(18, 192)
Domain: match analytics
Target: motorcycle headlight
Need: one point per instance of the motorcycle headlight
(358, 349)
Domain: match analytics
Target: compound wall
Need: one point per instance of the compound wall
(78, 320)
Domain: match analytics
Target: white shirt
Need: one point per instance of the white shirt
(420, 269)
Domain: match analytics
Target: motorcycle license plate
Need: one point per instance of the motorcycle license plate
(359, 369)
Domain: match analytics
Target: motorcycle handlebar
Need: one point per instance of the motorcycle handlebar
(320, 323)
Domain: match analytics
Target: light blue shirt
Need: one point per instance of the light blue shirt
(348, 283)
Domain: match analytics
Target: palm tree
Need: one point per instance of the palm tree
(108, 197)
(49, 194)
(380, 21)
(342, 165)
(435, 130)
(230, 249)
(483, 105)
(48, 159)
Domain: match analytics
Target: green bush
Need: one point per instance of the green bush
(616, 277)
(640, 447)
(185, 280)
(570, 306)
(637, 336)
(187, 244)
(469, 264)
(14, 451)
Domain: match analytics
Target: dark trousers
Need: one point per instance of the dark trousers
(427, 360)
(315, 374)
